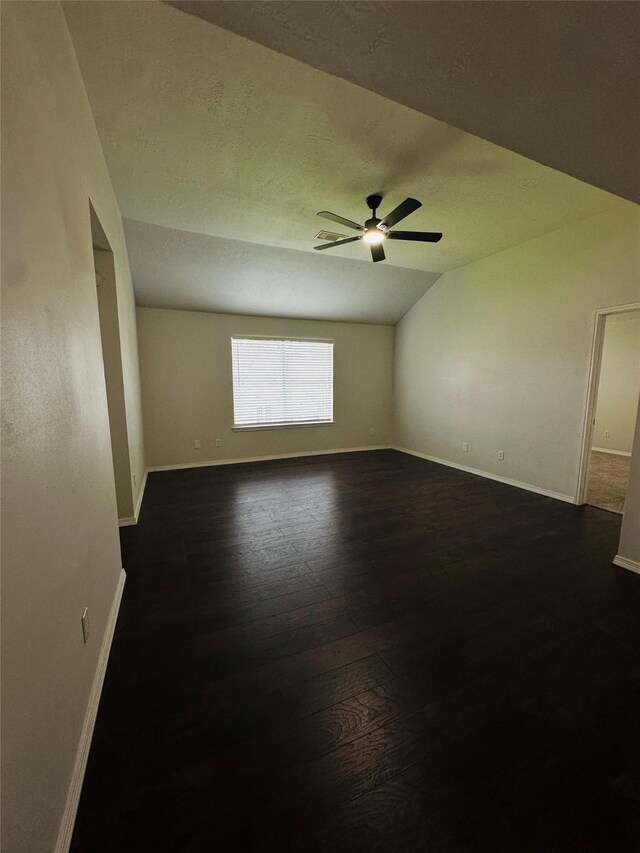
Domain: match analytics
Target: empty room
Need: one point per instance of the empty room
(320, 434)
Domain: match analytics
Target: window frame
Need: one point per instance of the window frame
(285, 424)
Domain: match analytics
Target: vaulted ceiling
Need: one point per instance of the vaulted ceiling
(214, 141)
(556, 82)
(198, 272)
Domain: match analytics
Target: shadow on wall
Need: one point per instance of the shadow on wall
(107, 306)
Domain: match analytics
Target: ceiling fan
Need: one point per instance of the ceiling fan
(376, 231)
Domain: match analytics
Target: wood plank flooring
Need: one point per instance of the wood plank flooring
(367, 652)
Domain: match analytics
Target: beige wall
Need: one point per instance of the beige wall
(619, 383)
(60, 549)
(185, 360)
(107, 299)
(497, 353)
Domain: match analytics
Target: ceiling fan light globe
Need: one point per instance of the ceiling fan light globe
(374, 236)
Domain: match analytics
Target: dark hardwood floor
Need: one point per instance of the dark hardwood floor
(367, 652)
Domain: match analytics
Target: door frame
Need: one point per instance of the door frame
(591, 398)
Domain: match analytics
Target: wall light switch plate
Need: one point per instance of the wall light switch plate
(501, 454)
(196, 444)
(465, 446)
(607, 434)
(86, 628)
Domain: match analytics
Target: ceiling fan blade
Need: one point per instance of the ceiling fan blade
(421, 236)
(349, 223)
(338, 243)
(377, 252)
(402, 210)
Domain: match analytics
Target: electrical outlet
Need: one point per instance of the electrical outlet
(372, 430)
(196, 444)
(218, 442)
(86, 628)
(607, 434)
(465, 446)
(501, 454)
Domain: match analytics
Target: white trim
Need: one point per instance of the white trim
(133, 519)
(613, 452)
(589, 409)
(253, 427)
(626, 563)
(77, 777)
(282, 338)
(185, 465)
(479, 473)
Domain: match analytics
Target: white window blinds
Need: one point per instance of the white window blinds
(281, 382)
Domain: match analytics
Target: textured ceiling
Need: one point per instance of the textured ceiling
(178, 269)
(557, 82)
(207, 132)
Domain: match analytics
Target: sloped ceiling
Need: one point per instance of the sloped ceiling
(221, 140)
(557, 82)
(197, 272)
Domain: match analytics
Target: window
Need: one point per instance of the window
(281, 382)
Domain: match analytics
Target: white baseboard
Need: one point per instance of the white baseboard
(626, 563)
(73, 797)
(209, 463)
(613, 452)
(133, 519)
(526, 486)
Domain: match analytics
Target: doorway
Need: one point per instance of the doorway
(107, 307)
(612, 408)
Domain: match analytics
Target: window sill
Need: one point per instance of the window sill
(251, 428)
